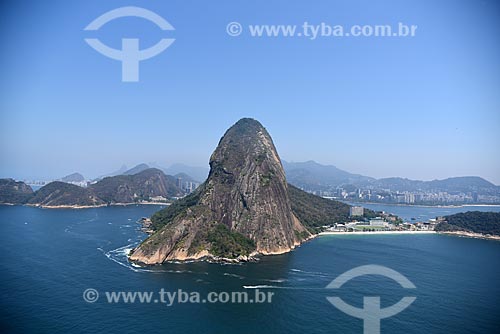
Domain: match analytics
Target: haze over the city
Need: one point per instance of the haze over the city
(236, 166)
(424, 108)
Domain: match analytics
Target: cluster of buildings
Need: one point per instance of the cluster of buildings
(39, 183)
(410, 197)
(187, 186)
(386, 222)
(381, 224)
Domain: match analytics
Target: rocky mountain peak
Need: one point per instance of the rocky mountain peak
(242, 208)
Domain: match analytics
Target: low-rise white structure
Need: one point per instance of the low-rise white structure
(378, 221)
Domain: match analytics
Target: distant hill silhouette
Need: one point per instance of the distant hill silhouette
(311, 174)
(137, 169)
(314, 176)
(75, 177)
(198, 174)
(143, 186)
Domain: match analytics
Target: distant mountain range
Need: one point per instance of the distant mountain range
(145, 186)
(453, 184)
(123, 169)
(187, 173)
(198, 174)
(137, 169)
(313, 176)
(310, 176)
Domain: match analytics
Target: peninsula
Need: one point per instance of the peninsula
(243, 209)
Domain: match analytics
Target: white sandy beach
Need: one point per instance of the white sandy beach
(378, 232)
(456, 233)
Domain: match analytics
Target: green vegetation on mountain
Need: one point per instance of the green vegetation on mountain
(13, 192)
(246, 191)
(314, 211)
(244, 207)
(165, 216)
(229, 244)
(472, 221)
(142, 186)
(65, 194)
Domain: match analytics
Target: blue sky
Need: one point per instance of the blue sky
(424, 107)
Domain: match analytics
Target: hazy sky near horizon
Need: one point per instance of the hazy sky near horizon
(425, 107)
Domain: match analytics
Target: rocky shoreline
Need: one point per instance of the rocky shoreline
(466, 234)
(205, 255)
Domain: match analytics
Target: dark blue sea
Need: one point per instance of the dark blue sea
(50, 257)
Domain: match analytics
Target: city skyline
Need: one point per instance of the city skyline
(181, 166)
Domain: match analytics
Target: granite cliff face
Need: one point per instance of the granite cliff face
(242, 209)
(247, 189)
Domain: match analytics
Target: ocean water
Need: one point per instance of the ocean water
(50, 257)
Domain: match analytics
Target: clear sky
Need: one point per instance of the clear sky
(424, 107)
